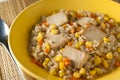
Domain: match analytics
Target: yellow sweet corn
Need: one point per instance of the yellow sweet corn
(53, 26)
(109, 55)
(106, 18)
(54, 31)
(88, 44)
(58, 58)
(47, 46)
(98, 19)
(61, 73)
(53, 72)
(73, 14)
(97, 69)
(76, 74)
(106, 39)
(80, 42)
(92, 72)
(77, 45)
(47, 59)
(97, 60)
(118, 49)
(77, 34)
(82, 71)
(118, 35)
(105, 64)
(61, 66)
(103, 25)
(44, 63)
(39, 36)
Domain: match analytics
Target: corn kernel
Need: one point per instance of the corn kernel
(47, 59)
(118, 49)
(109, 55)
(53, 26)
(40, 36)
(97, 60)
(97, 69)
(61, 73)
(77, 45)
(73, 14)
(106, 39)
(81, 42)
(45, 63)
(76, 74)
(118, 35)
(92, 72)
(88, 44)
(105, 64)
(54, 31)
(82, 71)
(98, 19)
(53, 72)
(61, 66)
(106, 18)
(58, 58)
(77, 34)
(47, 46)
(103, 26)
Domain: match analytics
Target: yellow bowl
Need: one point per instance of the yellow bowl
(22, 25)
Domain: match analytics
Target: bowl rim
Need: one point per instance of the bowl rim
(12, 53)
(9, 44)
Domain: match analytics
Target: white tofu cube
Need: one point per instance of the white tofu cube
(93, 33)
(57, 19)
(78, 57)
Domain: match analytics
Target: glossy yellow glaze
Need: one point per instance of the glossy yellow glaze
(22, 26)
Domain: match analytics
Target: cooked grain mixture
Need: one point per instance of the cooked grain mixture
(76, 45)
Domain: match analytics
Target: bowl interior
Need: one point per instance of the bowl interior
(22, 26)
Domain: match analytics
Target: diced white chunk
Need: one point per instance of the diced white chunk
(56, 41)
(85, 20)
(78, 57)
(93, 33)
(58, 19)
